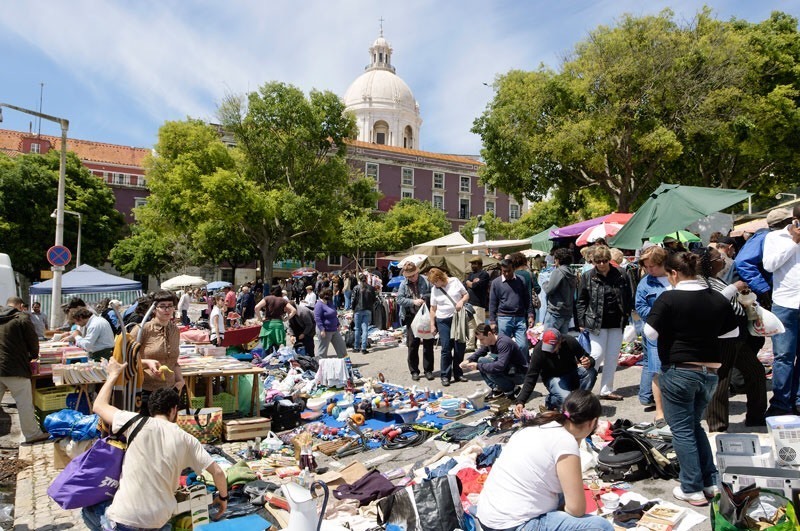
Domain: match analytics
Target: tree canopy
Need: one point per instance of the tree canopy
(28, 195)
(707, 102)
(411, 222)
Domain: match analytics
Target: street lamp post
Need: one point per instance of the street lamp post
(55, 303)
(80, 220)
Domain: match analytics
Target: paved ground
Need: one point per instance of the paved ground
(34, 509)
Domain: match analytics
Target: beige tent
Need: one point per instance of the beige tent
(432, 248)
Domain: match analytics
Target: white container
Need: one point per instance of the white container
(785, 433)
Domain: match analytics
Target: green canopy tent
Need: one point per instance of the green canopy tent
(672, 207)
(542, 241)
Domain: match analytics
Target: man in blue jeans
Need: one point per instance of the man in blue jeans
(510, 305)
(363, 302)
(782, 259)
(564, 367)
(500, 361)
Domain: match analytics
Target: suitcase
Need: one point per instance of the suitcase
(283, 417)
(246, 429)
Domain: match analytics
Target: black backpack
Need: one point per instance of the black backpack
(631, 457)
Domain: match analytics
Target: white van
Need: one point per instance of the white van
(8, 281)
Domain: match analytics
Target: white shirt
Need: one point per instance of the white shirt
(445, 308)
(217, 323)
(523, 483)
(151, 472)
(98, 335)
(310, 300)
(782, 259)
(185, 302)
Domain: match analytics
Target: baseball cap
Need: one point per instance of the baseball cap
(550, 339)
(777, 215)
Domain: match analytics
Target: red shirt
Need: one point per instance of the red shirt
(230, 300)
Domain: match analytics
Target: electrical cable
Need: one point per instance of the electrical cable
(405, 436)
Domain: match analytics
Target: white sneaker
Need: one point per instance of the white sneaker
(695, 498)
(710, 492)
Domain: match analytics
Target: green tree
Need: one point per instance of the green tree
(411, 222)
(145, 252)
(646, 101)
(28, 195)
(496, 228)
(540, 216)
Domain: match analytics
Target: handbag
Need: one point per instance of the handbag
(204, 424)
(433, 505)
(93, 476)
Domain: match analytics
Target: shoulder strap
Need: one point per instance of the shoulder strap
(120, 432)
(136, 430)
(448, 296)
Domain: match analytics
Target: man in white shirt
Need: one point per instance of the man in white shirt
(97, 337)
(782, 259)
(153, 463)
(311, 297)
(184, 304)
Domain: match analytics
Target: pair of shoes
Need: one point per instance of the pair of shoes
(659, 423)
(415, 376)
(698, 499)
(710, 492)
(364, 351)
(446, 382)
(356, 351)
(429, 375)
(493, 394)
(611, 396)
(37, 438)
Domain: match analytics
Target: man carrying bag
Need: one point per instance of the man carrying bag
(415, 291)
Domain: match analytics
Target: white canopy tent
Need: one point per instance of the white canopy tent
(492, 244)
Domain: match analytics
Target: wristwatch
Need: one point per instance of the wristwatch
(223, 498)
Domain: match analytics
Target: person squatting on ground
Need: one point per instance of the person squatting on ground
(564, 367)
(604, 308)
(414, 291)
(688, 322)
(560, 289)
(500, 361)
(510, 305)
(542, 490)
(448, 295)
(153, 464)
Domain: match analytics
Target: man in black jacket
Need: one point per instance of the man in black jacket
(18, 346)
(302, 327)
(564, 367)
(500, 361)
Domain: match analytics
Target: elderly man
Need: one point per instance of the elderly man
(39, 319)
(414, 291)
(500, 361)
(94, 334)
(18, 346)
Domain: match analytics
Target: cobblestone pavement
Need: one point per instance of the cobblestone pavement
(35, 510)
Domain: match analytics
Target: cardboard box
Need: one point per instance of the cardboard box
(60, 457)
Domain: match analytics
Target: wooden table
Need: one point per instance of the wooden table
(209, 375)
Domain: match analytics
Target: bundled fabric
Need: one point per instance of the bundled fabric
(74, 424)
(93, 476)
(433, 505)
(372, 486)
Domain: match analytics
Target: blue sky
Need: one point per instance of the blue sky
(117, 70)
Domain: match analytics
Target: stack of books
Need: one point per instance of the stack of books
(662, 517)
(80, 373)
(50, 354)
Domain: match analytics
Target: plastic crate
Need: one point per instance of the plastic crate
(51, 398)
(224, 400)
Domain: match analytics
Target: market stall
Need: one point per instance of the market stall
(90, 284)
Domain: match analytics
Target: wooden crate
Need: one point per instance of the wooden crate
(246, 429)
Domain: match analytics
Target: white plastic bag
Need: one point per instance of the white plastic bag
(629, 335)
(767, 325)
(421, 325)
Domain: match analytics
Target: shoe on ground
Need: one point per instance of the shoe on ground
(698, 499)
(461, 379)
(415, 376)
(514, 393)
(364, 351)
(445, 382)
(37, 438)
(612, 396)
(356, 351)
(710, 492)
(649, 408)
(493, 394)
(429, 375)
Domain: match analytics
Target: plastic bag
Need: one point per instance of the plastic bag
(585, 341)
(767, 325)
(421, 325)
(629, 335)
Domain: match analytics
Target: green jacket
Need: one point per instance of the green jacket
(18, 343)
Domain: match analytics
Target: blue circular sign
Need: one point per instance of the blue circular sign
(58, 255)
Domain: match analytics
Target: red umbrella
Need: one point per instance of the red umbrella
(592, 234)
(304, 272)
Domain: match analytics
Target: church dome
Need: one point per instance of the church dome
(379, 88)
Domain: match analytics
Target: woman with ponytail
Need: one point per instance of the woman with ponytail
(537, 483)
(688, 323)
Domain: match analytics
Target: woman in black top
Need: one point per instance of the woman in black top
(688, 323)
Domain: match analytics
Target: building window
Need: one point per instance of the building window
(438, 201)
(368, 260)
(335, 260)
(142, 181)
(489, 207)
(407, 193)
(438, 181)
(464, 185)
(408, 177)
(120, 178)
(139, 202)
(463, 208)
(381, 129)
(490, 190)
(35, 147)
(513, 212)
(372, 170)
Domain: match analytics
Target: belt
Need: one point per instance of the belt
(693, 367)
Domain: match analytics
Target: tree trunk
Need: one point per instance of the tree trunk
(268, 258)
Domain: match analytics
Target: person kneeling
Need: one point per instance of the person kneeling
(564, 367)
(500, 361)
(543, 489)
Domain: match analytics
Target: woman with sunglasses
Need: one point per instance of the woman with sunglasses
(688, 322)
(543, 489)
(604, 308)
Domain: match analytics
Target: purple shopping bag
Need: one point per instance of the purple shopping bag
(93, 476)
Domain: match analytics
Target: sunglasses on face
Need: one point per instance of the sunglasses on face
(600, 262)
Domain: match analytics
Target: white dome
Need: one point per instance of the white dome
(380, 88)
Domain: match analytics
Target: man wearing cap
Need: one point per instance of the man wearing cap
(510, 304)
(564, 367)
(414, 291)
(500, 361)
(782, 259)
(477, 284)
